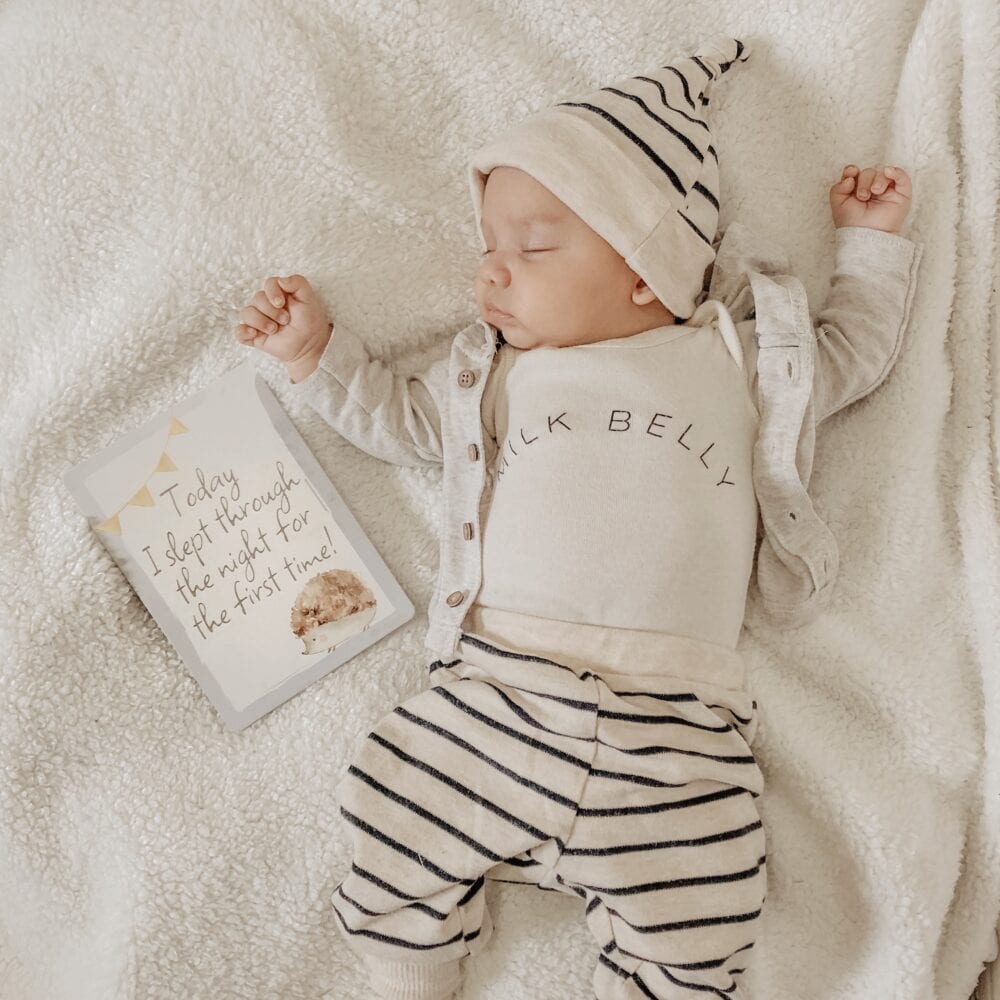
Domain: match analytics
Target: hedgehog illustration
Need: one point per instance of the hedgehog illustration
(330, 608)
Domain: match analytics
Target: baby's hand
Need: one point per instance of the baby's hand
(287, 321)
(879, 199)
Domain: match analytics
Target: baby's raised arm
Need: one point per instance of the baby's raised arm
(860, 327)
(390, 416)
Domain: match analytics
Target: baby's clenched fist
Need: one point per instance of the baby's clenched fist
(287, 320)
(875, 198)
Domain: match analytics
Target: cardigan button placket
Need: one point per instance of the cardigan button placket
(466, 379)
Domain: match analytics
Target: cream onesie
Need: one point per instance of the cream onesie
(622, 492)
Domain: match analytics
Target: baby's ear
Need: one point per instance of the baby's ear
(642, 294)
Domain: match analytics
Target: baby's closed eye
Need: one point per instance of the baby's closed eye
(528, 250)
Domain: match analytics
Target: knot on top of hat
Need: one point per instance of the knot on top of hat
(720, 52)
(714, 58)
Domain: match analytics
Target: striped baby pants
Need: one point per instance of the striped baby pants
(611, 764)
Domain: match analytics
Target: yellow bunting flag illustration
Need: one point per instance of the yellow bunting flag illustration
(142, 497)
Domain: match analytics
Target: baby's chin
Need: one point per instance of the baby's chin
(514, 333)
(518, 337)
(507, 327)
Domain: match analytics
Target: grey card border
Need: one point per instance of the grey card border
(326, 492)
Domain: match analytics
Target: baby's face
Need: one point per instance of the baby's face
(560, 282)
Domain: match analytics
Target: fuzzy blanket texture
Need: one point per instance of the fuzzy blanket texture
(159, 161)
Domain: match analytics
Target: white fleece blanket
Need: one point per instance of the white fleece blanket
(158, 162)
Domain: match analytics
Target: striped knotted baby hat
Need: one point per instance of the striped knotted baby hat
(635, 161)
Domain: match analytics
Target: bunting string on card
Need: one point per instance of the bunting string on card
(142, 497)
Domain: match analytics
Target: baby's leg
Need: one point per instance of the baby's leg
(668, 850)
(448, 785)
(680, 931)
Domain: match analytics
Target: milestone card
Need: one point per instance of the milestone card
(239, 545)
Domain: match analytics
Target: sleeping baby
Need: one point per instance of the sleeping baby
(588, 723)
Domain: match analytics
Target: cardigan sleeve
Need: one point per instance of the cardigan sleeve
(860, 327)
(394, 417)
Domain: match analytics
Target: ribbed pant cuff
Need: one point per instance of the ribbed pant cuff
(410, 981)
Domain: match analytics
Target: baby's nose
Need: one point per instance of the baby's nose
(490, 273)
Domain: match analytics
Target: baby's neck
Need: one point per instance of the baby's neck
(641, 319)
(615, 335)
(638, 320)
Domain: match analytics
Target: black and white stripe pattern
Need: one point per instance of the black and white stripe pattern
(637, 796)
(659, 117)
